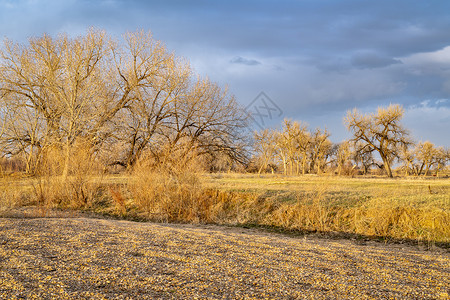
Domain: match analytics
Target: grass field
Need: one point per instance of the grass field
(407, 208)
(410, 209)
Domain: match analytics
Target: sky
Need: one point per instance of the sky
(307, 60)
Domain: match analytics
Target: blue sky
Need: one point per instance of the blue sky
(315, 59)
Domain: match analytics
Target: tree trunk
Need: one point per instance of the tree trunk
(66, 163)
(387, 166)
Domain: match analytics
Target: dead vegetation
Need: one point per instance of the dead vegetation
(377, 208)
(75, 110)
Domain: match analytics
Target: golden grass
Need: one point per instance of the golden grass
(413, 209)
(400, 208)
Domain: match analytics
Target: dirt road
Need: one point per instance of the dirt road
(79, 258)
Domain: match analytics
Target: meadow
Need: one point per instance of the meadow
(401, 209)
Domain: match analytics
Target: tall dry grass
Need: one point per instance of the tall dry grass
(384, 209)
(175, 189)
(79, 189)
(169, 189)
(13, 193)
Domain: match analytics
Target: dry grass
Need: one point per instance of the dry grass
(408, 209)
(79, 189)
(170, 192)
(400, 209)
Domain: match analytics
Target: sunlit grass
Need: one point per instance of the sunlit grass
(403, 208)
(406, 208)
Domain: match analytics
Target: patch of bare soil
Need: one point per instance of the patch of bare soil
(79, 258)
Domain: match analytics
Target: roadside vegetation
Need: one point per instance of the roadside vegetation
(125, 128)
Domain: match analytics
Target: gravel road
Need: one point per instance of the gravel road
(88, 258)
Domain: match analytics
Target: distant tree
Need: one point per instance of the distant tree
(293, 145)
(283, 145)
(343, 156)
(426, 155)
(320, 148)
(408, 158)
(303, 141)
(442, 159)
(380, 132)
(264, 146)
(363, 157)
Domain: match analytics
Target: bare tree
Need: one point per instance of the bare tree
(132, 93)
(380, 132)
(363, 156)
(264, 146)
(60, 81)
(303, 142)
(442, 159)
(293, 146)
(320, 147)
(343, 156)
(426, 155)
(408, 158)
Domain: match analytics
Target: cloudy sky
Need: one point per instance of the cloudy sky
(314, 59)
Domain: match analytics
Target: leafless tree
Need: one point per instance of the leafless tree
(60, 81)
(380, 132)
(343, 156)
(131, 95)
(408, 158)
(428, 157)
(320, 147)
(264, 146)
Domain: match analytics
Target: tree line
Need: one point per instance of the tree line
(118, 98)
(294, 149)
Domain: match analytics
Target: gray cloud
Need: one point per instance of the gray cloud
(244, 61)
(320, 57)
(371, 60)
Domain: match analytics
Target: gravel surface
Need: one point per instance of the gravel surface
(86, 258)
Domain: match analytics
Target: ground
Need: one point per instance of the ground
(82, 257)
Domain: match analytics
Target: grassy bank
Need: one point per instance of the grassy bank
(407, 208)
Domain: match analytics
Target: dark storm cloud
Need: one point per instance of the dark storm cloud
(320, 56)
(244, 61)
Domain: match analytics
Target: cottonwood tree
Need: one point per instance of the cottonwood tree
(408, 158)
(442, 159)
(380, 132)
(293, 146)
(343, 156)
(320, 150)
(303, 141)
(290, 132)
(363, 156)
(60, 80)
(425, 154)
(59, 92)
(264, 147)
(429, 156)
(149, 82)
(23, 134)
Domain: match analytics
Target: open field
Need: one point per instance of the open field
(376, 234)
(79, 258)
(402, 209)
